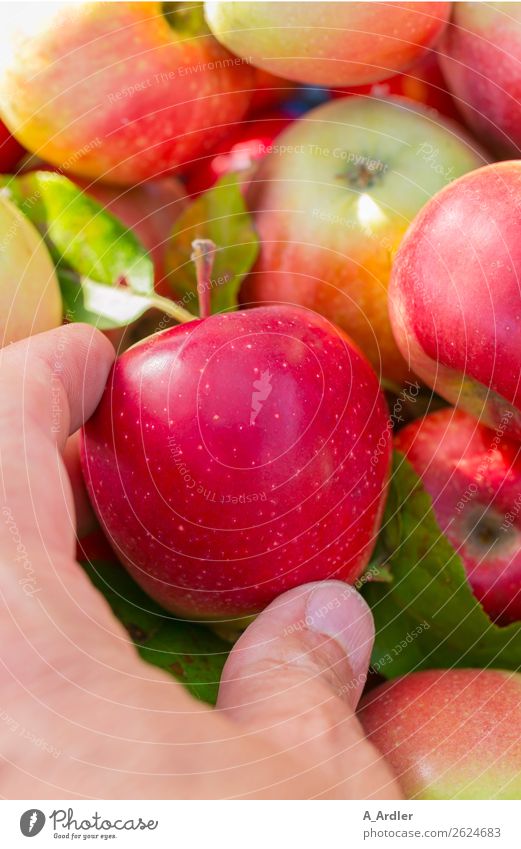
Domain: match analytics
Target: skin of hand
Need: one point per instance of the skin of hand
(81, 716)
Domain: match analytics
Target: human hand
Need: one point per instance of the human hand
(82, 715)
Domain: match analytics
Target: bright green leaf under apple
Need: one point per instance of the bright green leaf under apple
(94, 253)
(220, 214)
(191, 653)
(428, 617)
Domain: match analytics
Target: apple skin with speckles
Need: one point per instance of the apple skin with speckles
(473, 475)
(454, 296)
(328, 44)
(122, 92)
(235, 457)
(449, 733)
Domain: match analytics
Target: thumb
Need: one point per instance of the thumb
(296, 675)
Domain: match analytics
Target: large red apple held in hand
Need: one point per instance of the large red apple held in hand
(328, 43)
(234, 457)
(450, 734)
(454, 298)
(332, 202)
(118, 91)
(473, 476)
(480, 55)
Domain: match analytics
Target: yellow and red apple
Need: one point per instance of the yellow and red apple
(118, 91)
(450, 733)
(332, 202)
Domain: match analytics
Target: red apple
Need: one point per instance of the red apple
(422, 82)
(480, 55)
(473, 476)
(11, 152)
(269, 91)
(328, 43)
(454, 298)
(450, 734)
(251, 141)
(332, 203)
(234, 457)
(85, 520)
(118, 91)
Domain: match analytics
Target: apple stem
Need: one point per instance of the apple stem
(203, 255)
(171, 308)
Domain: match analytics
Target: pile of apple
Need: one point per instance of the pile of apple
(368, 246)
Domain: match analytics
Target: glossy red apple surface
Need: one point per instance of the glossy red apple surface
(473, 476)
(480, 55)
(119, 91)
(235, 457)
(450, 734)
(454, 297)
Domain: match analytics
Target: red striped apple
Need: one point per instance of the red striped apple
(473, 476)
(450, 734)
(235, 457)
(454, 298)
(328, 43)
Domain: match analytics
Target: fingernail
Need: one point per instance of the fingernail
(337, 610)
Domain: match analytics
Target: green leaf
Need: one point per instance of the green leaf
(191, 653)
(220, 214)
(105, 307)
(94, 253)
(428, 616)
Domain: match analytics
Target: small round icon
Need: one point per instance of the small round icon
(32, 822)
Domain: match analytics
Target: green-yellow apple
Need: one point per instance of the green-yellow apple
(332, 201)
(118, 91)
(450, 733)
(480, 55)
(328, 43)
(30, 299)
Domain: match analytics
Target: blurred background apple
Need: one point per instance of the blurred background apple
(333, 201)
(118, 91)
(328, 43)
(30, 299)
